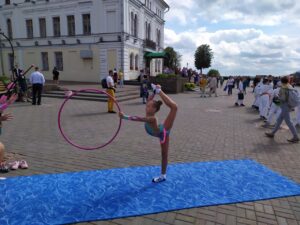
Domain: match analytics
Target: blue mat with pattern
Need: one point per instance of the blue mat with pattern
(108, 194)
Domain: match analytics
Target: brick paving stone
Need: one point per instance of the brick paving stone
(230, 220)
(282, 221)
(198, 135)
(268, 209)
(250, 215)
(246, 221)
(184, 218)
(292, 222)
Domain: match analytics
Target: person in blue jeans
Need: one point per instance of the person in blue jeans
(144, 89)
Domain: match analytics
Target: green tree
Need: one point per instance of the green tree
(213, 73)
(172, 59)
(203, 57)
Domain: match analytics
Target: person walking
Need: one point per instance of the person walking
(213, 86)
(115, 76)
(55, 74)
(121, 78)
(285, 112)
(22, 92)
(240, 99)
(230, 85)
(37, 80)
(297, 124)
(111, 91)
(144, 93)
(202, 85)
(275, 109)
(264, 102)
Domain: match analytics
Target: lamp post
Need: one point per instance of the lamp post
(12, 50)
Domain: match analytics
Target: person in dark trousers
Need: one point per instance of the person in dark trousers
(22, 91)
(37, 80)
(285, 112)
(55, 75)
(144, 93)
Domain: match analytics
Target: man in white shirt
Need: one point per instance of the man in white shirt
(111, 91)
(37, 80)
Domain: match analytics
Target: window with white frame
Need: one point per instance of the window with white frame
(29, 28)
(158, 37)
(135, 31)
(9, 29)
(56, 26)
(149, 31)
(131, 23)
(58, 57)
(86, 22)
(159, 66)
(43, 27)
(71, 25)
(146, 30)
(45, 61)
(136, 62)
(131, 61)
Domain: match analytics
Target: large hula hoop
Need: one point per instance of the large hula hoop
(68, 139)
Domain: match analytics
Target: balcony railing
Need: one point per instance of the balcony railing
(150, 44)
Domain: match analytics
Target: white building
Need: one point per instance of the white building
(83, 38)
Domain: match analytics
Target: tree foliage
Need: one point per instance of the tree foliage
(172, 59)
(203, 57)
(213, 73)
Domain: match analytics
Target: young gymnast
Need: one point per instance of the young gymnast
(153, 128)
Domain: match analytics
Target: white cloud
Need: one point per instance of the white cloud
(230, 28)
(261, 13)
(240, 51)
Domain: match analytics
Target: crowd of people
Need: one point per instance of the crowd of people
(276, 98)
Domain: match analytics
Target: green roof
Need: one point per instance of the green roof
(155, 55)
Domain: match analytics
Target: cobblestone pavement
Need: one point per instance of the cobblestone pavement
(206, 129)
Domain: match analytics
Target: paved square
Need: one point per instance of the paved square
(205, 129)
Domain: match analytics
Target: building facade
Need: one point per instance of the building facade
(83, 38)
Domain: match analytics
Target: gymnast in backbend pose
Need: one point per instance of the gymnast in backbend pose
(162, 131)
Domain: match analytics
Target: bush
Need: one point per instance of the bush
(5, 80)
(190, 86)
(165, 76)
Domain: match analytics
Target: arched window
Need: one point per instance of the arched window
(155, 65)
(135, 25)
(131, 61)
(131, 23)
(9, 29)
(136, 62)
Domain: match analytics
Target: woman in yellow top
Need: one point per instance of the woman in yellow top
(202, 85)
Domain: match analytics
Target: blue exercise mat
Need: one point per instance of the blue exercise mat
(108, 194)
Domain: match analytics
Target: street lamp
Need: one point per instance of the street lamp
(12, 50)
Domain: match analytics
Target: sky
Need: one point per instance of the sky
(247, 37)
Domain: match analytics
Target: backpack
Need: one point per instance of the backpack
(293, 98)
(104, 83)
